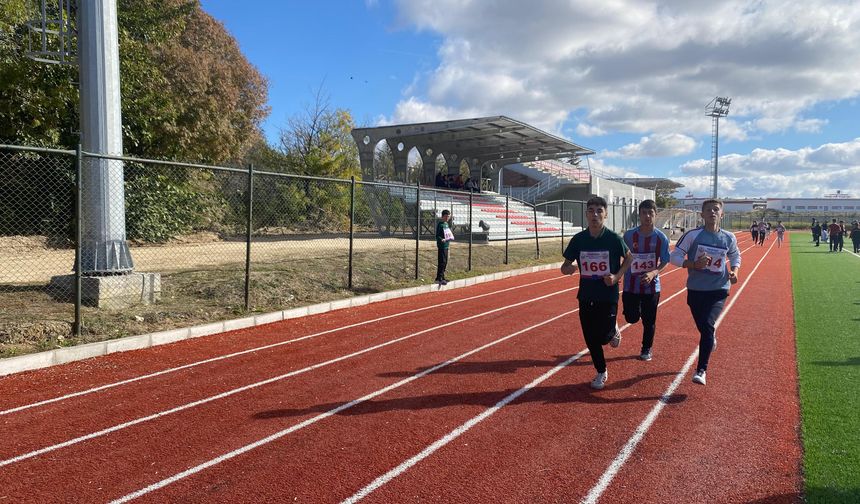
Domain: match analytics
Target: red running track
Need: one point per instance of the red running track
(482, 399)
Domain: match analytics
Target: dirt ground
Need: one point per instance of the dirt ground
(202, 281)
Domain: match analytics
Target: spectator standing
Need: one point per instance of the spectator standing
(640, 298)
(707, 252)
(816, 232)
(599, 252)
(444, 236)
(834, 231)
(855, 236)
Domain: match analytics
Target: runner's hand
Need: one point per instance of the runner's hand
(610, 280)
(733, 277)
(702, 262)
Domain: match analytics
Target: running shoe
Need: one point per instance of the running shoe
(645, 355)
(616, 339)
(699, 377)
(599, 381)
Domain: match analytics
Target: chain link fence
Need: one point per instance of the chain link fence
(164, 245)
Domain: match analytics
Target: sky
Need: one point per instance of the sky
(629, 79)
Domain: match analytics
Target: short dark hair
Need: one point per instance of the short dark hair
(648, 204)
(445, 212)
(595, 200)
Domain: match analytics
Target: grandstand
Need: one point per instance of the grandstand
(487, 208)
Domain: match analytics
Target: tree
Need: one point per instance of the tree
(318, 141)
(664, 198)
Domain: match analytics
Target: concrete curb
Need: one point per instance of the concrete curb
(65, 355)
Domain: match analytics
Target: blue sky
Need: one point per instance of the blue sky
(628, 79)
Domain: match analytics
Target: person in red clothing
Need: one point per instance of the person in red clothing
(835, 233)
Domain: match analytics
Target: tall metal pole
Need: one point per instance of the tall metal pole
(417, 224)
(351, 225)
(105, 250)
(248, 231)
(471, 224)
(716, 155)
(507, 220)
(77, 329)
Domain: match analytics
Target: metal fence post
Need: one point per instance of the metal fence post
(537, 242)
(78, 325)
(351, 225)
(248, 237)
(471, 227)
(507, 220)
(417, 224)
(561, 212)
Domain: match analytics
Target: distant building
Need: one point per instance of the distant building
(729, 204)
(833, 204)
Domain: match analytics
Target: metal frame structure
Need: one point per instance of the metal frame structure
(716, 108)
(55, 34)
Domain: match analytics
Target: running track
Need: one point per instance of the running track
(477, 395)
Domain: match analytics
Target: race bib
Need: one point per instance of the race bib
(643, 263)
(449, 236)
(594, 263)
(717, 258)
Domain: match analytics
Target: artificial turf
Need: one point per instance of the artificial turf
(827, 315)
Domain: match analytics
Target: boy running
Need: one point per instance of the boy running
(705, 252)
(650, 253)
(780, 233)
(599, 252)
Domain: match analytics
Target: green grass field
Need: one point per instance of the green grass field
(827, 316)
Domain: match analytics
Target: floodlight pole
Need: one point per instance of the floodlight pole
(718, 107)
(105, 251)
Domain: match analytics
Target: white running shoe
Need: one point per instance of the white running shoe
(600, 380)
(699, 377)
(616, 340)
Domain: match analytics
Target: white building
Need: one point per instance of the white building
(729, 205)
(838, 204)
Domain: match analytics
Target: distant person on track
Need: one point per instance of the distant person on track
(780, 233)
(649, 250)
(754, 232)
(762, 232)
(603, 260)
(707, 253)
(816, 232)
(444, 236)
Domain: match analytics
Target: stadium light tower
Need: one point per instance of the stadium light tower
(718, 107)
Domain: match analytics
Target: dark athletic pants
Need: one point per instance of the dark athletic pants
(598, 326)
(642, 306)
(442, 263)
(706, 307)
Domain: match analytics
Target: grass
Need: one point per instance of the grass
(827, 317)
(31, 320)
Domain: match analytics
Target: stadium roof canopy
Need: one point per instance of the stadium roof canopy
(650, 183)
(497, 139)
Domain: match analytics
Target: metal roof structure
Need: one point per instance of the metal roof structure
(498, 139)
(650, 183)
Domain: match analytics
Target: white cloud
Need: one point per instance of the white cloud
(587, 130)
(667, 145)
(807, 172)
(641, 67)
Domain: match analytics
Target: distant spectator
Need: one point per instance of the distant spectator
(855, 236)
(458, 182)
(834, 231)
(825, 234)
(842, 233)
(816, 232)
(444, 236)
(440, 179)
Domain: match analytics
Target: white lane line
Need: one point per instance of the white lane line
(257, 349)
(227, 456)
(234, 391)
(454, 434)
(627, 450)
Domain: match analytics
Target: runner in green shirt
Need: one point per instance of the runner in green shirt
(603, 258)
